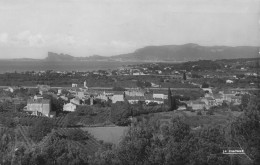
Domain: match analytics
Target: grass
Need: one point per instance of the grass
(107, 134)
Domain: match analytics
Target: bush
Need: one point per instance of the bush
(40, 129)
(235, 108)
(204, 85)
(152, 104)
(210, 112)
(199, 113)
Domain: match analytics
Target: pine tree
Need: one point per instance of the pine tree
(184, 76)
(174, 103)
(170, 98)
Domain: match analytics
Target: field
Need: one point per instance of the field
(107, 134)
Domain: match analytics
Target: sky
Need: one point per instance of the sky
(31, 28)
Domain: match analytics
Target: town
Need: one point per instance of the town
(95, 108)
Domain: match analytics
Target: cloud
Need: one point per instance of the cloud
(28, 39)
(38, 40)
(3, 38)
(63, 39)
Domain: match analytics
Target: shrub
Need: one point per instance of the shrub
(199, 113)
(210, 112)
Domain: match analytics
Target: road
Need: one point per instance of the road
(110, 88)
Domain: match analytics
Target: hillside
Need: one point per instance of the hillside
(58, 57)
(188, 52)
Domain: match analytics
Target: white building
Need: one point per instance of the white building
(160, 96)
(229, 81)
(85, 84)
(155, 85)
(116, 98)
(75, 101)
(39, 107)
(207, 89)
(59, 91)
(74, 85)
(80, 94)
(70, 107)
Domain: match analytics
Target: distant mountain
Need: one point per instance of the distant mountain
(59, 57)
(65, 57)
(96, 58)
(187, 52)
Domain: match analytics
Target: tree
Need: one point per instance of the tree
(56, 150)
(41, 128)
(120, 111)
(169, 98)
(142, 84)
(56, 104)
(175, 103)
(7, 138)
(184, 76)
(246, 130)
(245, 100)
(33, 91)
(147, 142)
(204, 85)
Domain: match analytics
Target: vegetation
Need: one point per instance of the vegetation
(41, 128)
(148, 141)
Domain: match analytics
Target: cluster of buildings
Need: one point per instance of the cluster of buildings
(133, 96)
(76, 96)
(211, 99)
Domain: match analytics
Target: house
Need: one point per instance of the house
(74, 85)
(37, 97)
(11, 89)
(102, 97)
(85, 85)
(196, 105)
(43, 88)
(75, 101)
(227, 95)
(149, 99)
(70, 107)
(80, 94)
(134, 92)
(105, 96)
(59, 91)
(64, 98)
(236, 100)
(160, 96)
(218, 98)
(134, 99)
(117, 97)
(155, 85)
(39, 107)
(182, 107)
(209, 101)
(229, 81)
(207, 90)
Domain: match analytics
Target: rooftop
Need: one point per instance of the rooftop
(38, 101)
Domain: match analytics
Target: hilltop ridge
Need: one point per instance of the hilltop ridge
(166, 53)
